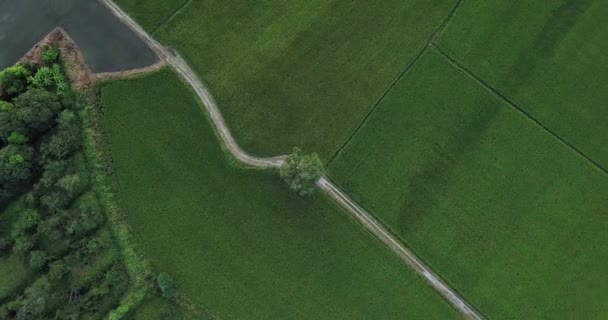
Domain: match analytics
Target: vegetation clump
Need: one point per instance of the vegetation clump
(166, 285)
(301, 172)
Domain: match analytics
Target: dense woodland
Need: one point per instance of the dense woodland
(51, 220)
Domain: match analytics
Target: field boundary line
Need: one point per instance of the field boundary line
(171, 16)
(365, 218)
(454, 62)
(436, 33)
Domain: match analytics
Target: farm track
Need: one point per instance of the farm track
(360, 214)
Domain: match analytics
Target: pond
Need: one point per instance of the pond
(107, 44)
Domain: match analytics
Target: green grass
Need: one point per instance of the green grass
(547, 56)
(237, 241)
(300, 73)
(511, 217)
(160, 309)
(150, 14)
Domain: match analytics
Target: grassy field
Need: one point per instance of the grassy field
(161, 309)
(150, 14)
(237, 241)
(505, 212)
(300, 73)
(547, 56)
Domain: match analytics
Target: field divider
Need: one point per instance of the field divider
(409, 66)
(454, 62)
(324, 184)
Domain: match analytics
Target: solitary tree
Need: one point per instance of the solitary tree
(301, 172)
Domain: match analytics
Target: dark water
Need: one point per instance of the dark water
(107, 44)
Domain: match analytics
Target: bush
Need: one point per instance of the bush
(50, 54)
(16, 163)
(17, 138)
(23, 244)
(57, 270)
(37, 259)
(13, 80)
(27, 221)
(166, 285)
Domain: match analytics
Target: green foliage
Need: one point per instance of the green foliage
(301, 172)
(57, 270)
(37, 259)
(51, 78)
(17, 138)
(27, 221)
(13, 80)
(22, 245)
(50, 54)
(35, 301)
(41, 161)
(35, 109)
(16, 164)
(66, 139)
(166, 285)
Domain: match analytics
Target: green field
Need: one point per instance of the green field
(161, 309)
(547, 56)
(237, 241)
(151, 14)
(509, 215)
(300, 73)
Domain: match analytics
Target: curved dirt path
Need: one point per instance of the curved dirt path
(364, 217)
(183, 69)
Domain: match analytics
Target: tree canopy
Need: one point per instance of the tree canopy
(301, 172)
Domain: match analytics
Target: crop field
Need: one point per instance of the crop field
(549, 57)
(237, 241)
(508, 214)
(300, 73)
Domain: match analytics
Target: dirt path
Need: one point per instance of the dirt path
(365, 218)
(376, 228)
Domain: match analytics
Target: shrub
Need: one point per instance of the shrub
(28, 219)
(50, 54)
(37, 259)
(57, 270)
(13, 80)
(17, 138)
(166, 285)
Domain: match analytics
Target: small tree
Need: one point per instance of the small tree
(17, 138)
(301, 172)
(166, 285)
(37, 259)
